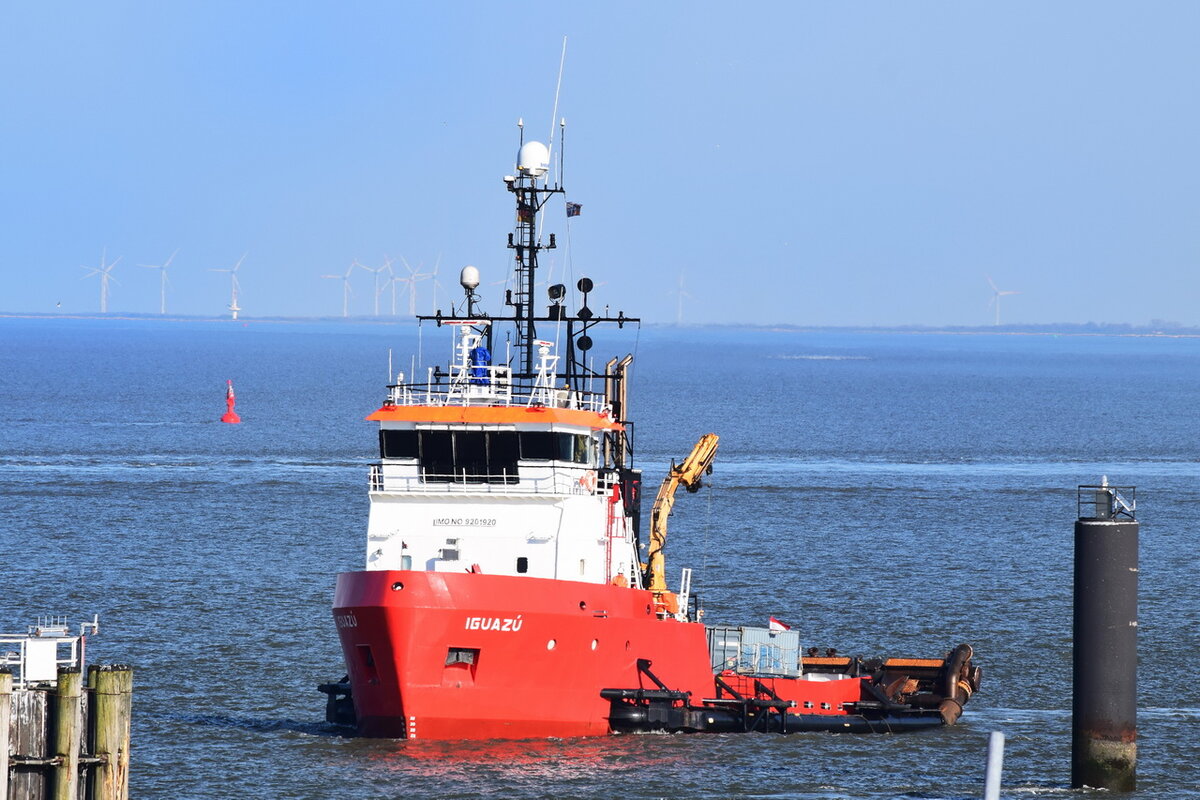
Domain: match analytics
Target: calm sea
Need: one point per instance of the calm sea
(885, 494)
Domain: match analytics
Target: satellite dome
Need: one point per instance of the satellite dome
(469, 277)
(533, 160)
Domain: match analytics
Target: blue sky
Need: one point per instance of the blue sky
(815, 164)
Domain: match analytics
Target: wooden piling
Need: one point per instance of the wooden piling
(6, 681)
(113, 698)
(30, 742)
(68, 733)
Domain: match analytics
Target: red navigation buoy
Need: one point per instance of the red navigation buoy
(230, 415)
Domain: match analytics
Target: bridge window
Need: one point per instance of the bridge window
(483, 456)
(437, 456)
(548, 446)
(503, 451)
(539, 446)
(468, 456)
(398, 444)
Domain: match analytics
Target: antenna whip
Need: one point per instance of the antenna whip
(558, 87)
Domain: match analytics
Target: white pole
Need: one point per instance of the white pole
(557, 89)
(995, 763)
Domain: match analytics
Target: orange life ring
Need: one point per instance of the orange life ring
(588, 481)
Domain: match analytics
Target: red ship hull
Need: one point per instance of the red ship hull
(538, 652)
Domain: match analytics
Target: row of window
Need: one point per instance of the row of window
(483, 456)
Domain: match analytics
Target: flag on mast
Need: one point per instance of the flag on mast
(776, 625)
(574, 209)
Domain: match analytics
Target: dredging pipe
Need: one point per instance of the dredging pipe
(1104, 700)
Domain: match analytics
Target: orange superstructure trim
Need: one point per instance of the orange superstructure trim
(493, 415)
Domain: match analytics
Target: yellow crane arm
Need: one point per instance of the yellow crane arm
(689, 473)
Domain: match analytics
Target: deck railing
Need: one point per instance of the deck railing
(490, 385)
(574, 482)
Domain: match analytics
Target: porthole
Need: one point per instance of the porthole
(397, 586)
(583, 605)
(550, 645)
(595, 643)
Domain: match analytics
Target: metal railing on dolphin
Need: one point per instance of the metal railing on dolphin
(1102, 501)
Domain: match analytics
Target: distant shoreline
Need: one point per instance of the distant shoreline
(1051, 329)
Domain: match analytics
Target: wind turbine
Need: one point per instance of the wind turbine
(233, 285)
(389, 282)
(679, 293)
(504, 284)
(410, 284)
(996, 295)
(392, 280)
(162, 303)
(105, 273)
(387, 264)
(346, 290)
(436, 283)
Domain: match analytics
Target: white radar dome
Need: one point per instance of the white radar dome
(533, 160)
(469, 277)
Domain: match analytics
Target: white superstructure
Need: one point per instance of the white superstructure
(477, 474)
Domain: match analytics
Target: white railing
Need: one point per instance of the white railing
(490, 386)
(575, 482)
(35, 657)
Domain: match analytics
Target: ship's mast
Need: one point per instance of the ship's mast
(532, 190)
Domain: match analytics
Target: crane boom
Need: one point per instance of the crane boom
(694, 467)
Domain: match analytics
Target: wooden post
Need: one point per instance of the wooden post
(5, 725)
(30, 740)
(113, 698)
(68, 732)
(126, 724)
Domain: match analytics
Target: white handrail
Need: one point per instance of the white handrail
(496, 390)
(566, 482)
(38, 654)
